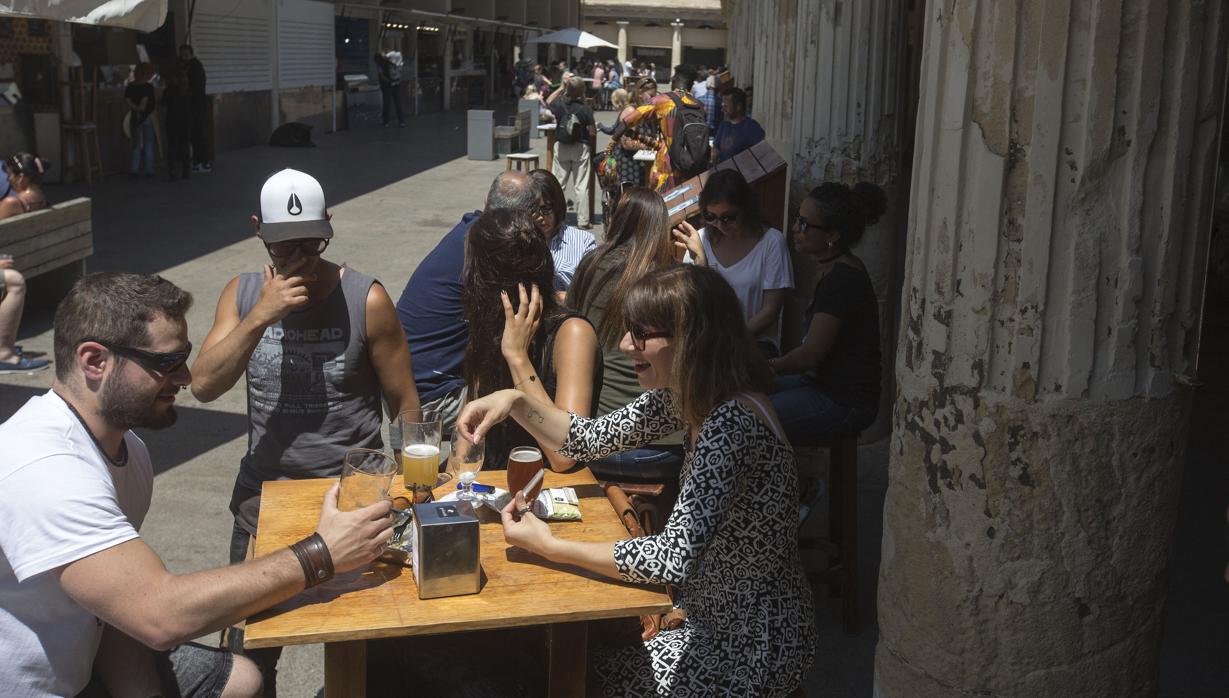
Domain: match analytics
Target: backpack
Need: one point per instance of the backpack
(569, 128)
(689, 152)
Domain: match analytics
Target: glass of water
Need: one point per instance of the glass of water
(464, 462)
(366, 476)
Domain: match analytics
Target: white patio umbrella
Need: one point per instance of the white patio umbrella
(572, 37)
(142, 15)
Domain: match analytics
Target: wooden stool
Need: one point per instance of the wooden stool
(82, 139)
(841, 577)
(523, 162)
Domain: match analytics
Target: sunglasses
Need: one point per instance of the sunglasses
(803, 224)
(723, 220)
(310, 247)
(640, 336)
(158, 362)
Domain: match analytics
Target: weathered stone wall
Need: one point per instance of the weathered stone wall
(1058, 223)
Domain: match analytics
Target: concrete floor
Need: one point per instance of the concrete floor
(393, 193)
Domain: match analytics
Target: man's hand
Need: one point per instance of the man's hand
(282, 293)
(354, 538)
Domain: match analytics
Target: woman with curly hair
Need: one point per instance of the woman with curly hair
(518, 334)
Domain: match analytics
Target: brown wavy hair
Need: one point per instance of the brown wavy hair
(639, 239)
(503, 248)
(715, 357)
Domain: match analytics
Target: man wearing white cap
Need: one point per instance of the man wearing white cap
(320, 344)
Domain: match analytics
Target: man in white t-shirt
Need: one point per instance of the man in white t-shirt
(82, 597)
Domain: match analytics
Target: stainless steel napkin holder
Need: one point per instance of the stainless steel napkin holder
(445, 549)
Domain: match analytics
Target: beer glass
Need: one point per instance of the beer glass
(419, 452)
(366, 476)
(464, 461)
(523, 463)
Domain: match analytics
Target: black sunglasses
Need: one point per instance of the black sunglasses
(723, 220)
(640, 336)
(543, 210)
(310, 247)
(803, 224)
(158, 362)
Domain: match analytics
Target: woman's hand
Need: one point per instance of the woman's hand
(521, 325)
(523, 529)
(478, 416)
(688, 238)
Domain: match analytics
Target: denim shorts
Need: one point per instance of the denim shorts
(187, 671)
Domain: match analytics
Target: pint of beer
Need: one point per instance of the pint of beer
(523, 463)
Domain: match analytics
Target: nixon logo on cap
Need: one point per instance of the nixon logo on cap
(293, 206)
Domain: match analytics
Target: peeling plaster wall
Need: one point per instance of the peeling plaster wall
(1059, 224)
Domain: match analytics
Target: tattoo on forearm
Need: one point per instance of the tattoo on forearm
(535, 415)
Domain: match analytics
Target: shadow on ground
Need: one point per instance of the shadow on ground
(168, 448)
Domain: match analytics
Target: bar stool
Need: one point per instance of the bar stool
(82, 140)
(841, 576)
(522, 162)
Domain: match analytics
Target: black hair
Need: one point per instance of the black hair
(684, 77)
(731, 187)
(737, 96)
(186, 46)
(26, 164)
(848, 210)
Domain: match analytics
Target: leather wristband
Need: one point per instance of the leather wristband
(313, 556)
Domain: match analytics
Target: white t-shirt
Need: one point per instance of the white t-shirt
(60, 500)
(765, 268)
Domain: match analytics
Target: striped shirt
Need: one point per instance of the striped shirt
(567, 249)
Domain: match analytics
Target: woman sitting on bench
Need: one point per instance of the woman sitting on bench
(829, 386)
(24, 193)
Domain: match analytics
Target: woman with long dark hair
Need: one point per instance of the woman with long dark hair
(751, 256)
(518, 334)
(730, 546)
(637, 244)
(830, 384)
(22, 195)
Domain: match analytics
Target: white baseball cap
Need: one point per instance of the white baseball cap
(292, 207)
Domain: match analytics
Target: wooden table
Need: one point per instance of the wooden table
(550, 144)
(383, 601)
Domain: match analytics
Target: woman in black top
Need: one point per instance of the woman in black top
(140, 98)
(829, 385)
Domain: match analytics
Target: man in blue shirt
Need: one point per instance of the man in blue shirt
(430, 308)
(739, 131)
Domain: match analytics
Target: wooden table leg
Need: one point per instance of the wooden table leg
(345, 669)
(550, 150)
(568, 649)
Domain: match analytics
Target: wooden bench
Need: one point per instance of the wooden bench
(53, 243)
(515, 134)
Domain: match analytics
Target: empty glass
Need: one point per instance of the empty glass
(464, 462)
(366, 476)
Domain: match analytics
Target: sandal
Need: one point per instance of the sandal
(23, 365)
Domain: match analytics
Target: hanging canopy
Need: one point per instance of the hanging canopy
(142, 15)
(572, 37)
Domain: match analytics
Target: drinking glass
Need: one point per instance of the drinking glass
(419, 452)
(464, 461)
(366, 475)
(523, 463)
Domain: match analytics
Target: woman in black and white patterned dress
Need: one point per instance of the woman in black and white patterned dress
(730, 546)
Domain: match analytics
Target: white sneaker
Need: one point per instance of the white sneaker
(198, 167)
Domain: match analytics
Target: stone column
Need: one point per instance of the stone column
(622, 43)
(1060, 208)
(676, 46)
(848, 120)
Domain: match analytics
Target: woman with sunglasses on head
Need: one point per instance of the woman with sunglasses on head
(730, 546)
(568, 244)
(22, 195)
(752, 257)
(25, 190)
(519, 335)
(637, 244)
(829, 385)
